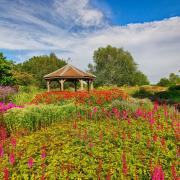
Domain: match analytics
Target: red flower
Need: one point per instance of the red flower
(124, 164)
(1, 151)
(6, 174)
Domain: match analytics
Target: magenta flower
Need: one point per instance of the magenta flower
(158, 173)
(12, 158)
(95, 109)
(43, 154)
(152, 121)
(30, 162)
(1, 151)
(6, 174)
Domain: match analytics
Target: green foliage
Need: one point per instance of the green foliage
(34, 117)
(24, 78)
(171, 95)
(132, 105)
(140, 79)
(164, 82)
(171, 81)
(25, 94)
(114, 66)
(39, 66)
(6, 77)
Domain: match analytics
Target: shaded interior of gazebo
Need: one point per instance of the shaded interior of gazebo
(71, 74)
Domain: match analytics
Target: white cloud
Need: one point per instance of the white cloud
(155, 46)
(78, 13)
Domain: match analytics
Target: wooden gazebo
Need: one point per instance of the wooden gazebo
(72, 74)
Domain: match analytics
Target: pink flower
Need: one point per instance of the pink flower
(1, 151)
(95, 109)
(13, 142)
(91, 145)
(158, 173)
(12, 158)
(152, 121)
(173, 171)
(139, 112)
(124, 114)
(43, 154)
(6, 174)
(30, 162)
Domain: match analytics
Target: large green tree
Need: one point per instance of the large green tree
(6, 76)
(39, 66)
(114, 66)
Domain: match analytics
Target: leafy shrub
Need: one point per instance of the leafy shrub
(25, 94)
(175, 87)
(132, 104)
(124, 105)
(34, 117)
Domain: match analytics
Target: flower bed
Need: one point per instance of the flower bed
(144, 147)
(90, 98)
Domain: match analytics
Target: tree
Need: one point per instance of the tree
(172, 80)
(114, 66)
(39, 66)
(164, 82)
(140, 79)
(6, 76)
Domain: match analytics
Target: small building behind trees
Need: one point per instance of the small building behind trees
(71, 74)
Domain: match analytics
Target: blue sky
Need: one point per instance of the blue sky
(140, 11)
(148, 29)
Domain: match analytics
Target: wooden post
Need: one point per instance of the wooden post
(88, 85)
(81, 82)
(48, 85)
(92, 86)
(62, 84)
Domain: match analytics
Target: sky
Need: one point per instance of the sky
(148, 29)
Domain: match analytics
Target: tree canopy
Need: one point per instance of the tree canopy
(114, 66)
(39, 66)
(6, 76)
(172, 80)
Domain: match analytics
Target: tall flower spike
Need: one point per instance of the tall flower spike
(30, 162)
(1, 151)
(12, 158)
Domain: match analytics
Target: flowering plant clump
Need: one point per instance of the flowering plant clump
(4, 107)
(95, 97)
(6, 91)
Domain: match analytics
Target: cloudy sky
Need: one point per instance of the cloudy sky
(148, 29)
